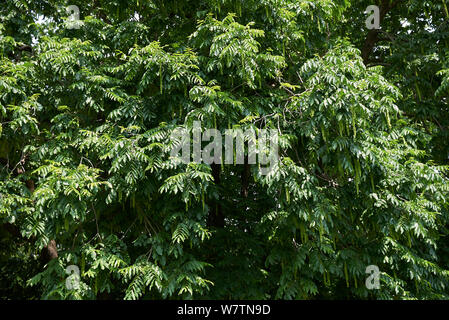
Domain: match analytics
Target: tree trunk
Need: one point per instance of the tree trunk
(216, 217)
(373, 35)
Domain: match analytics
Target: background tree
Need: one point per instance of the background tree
(86, 178)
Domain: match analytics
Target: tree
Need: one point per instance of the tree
(86, 122)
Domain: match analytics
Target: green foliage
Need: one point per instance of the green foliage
(86, 117)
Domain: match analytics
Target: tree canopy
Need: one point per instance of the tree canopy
(86, 178)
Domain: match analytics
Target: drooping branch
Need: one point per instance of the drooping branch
(50, 251)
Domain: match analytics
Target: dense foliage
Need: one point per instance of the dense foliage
(86, 177)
